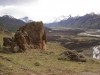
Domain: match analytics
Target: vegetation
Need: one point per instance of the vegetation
(41, 62)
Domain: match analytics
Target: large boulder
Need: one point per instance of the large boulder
(73, 56)
(36, 33)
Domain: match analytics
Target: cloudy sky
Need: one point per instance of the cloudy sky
(47, 10)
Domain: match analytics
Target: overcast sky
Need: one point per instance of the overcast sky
(46, 10)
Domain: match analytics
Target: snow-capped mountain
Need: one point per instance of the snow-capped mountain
(57, 19)
(26, 19)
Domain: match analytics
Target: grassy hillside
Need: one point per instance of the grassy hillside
(39, 62)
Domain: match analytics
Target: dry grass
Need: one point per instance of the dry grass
(41, 62)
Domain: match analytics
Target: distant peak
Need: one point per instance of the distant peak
(57, 19)
(8, 16)
(26, 19)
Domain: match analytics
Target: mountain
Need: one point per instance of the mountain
(91, 21)
(26, 19)
(57, 19)
(10, 23)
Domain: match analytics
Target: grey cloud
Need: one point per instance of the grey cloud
(14, 11)
(14, 2)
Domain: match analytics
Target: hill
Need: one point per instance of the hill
(10, 23)
(88, 21)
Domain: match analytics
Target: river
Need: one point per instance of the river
(92, 32)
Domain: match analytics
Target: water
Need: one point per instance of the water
(92, 33)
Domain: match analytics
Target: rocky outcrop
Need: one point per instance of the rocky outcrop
(36, 33)
(32, 35)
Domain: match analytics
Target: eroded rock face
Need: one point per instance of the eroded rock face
(20, 40)
(36, 33)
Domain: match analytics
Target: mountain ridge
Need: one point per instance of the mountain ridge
(90, 21)
(10, 23)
